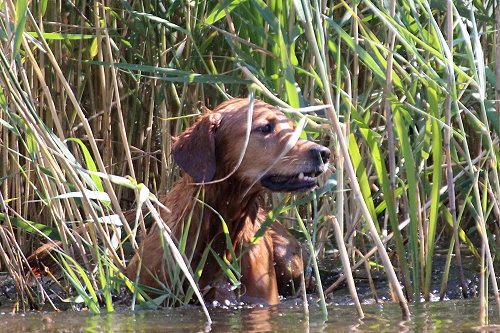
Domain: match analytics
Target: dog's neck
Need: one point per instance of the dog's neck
(231, 199)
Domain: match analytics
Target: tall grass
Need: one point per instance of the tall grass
(91, 90)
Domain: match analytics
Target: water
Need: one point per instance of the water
(447, 316)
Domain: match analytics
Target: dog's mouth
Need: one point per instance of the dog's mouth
(301, 182)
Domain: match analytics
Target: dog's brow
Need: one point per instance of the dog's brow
(283, 121)
(271, 116)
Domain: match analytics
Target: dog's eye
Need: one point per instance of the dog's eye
(266, 129)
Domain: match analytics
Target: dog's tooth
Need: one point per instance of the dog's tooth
(301, 176)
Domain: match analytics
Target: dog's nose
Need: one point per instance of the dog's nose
(319, 151)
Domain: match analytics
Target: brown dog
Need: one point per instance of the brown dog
(210, 151)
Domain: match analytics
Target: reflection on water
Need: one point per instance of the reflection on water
(449, 316)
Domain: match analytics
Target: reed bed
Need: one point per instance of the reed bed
(92, 94)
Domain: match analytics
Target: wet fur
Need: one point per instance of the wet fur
(208, 151)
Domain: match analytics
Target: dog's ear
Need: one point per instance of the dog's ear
(194, 150)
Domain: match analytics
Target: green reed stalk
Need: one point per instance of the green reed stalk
(307, 20)
(321, 295)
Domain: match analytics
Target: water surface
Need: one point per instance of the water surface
(447, 316)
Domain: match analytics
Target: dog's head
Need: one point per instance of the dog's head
(213, 147)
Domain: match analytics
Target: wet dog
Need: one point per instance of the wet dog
(224, 180)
